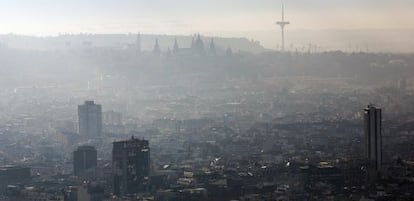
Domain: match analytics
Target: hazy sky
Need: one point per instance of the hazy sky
(250, 18)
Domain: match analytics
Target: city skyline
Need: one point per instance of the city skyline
(185, 17)
(105, 100)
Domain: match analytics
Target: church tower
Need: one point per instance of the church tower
(212, 48)
(157, 49)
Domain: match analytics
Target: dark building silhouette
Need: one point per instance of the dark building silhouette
(84, 158)
(373, 141)
(10, 175)
(130, 166)
(90, 119)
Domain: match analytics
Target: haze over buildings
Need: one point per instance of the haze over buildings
(380, 25)
(200, 101)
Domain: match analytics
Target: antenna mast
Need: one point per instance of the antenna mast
(282, 25)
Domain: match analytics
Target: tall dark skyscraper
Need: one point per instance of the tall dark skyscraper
(130, 166)
(84, 158)
(90, 119)
(373, 141)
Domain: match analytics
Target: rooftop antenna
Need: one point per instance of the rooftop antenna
(282, 25)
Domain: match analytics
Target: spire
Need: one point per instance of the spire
(212, 48)
(198, 47)
(157, 49)
(198, 37)
(175, 48)
(199, 42)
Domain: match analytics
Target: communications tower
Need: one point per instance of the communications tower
(282, 25)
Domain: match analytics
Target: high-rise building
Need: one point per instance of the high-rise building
(84, 158)
(373, 141)
(130, 166)
(90, 119)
